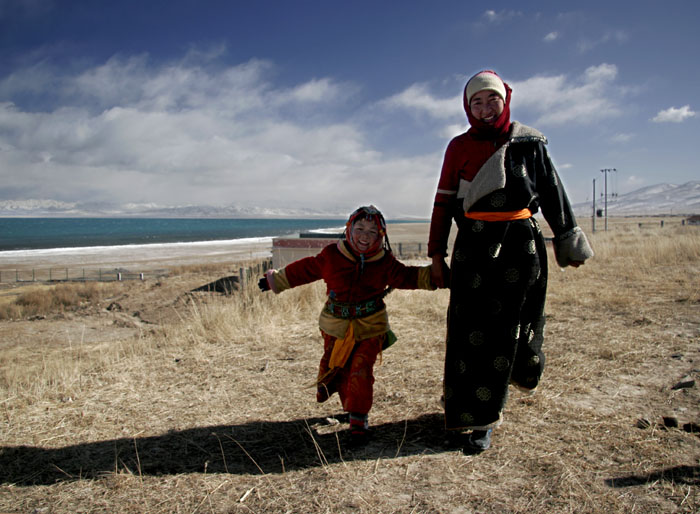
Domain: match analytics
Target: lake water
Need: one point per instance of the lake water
(61, 233)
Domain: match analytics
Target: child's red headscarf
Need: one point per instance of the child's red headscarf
(369, 213)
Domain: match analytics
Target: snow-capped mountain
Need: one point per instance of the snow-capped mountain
(53, 208)
(667, 199)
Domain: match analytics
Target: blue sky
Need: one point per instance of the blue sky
(330, 104)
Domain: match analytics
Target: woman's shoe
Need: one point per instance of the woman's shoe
(479, 440)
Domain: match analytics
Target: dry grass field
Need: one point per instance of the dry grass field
(147, 397)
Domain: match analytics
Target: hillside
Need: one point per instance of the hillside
(666, 199)
(154, 398)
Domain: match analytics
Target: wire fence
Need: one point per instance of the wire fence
(67, 274)
(77, 275)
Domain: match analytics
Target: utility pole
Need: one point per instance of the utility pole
(605, 172)
(593, 220)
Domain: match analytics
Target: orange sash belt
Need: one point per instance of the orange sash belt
(522, 214)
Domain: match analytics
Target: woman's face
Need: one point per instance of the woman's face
(364, 234)
(486, 106)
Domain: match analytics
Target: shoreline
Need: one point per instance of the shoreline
(162, 255)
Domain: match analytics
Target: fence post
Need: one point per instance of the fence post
(241, 277)
(119, 277)
(49, 274)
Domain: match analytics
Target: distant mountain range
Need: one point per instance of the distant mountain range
(53, 208)
(667, 199)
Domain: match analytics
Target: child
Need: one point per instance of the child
(359, 271)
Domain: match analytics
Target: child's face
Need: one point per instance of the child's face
(364, 234)
(486, 106)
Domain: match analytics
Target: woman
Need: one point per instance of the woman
(494, 178)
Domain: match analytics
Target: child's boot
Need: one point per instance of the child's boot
(359, 428)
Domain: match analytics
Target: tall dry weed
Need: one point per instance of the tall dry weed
(649, 247)
(47, 300)
(250, 315)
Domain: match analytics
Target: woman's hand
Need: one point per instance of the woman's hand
(439, 272)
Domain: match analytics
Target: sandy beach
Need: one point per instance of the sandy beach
(157, 256)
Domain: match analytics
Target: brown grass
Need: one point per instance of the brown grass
(43, 300)
(205, 407)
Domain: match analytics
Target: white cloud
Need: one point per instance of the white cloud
(634, 182)
(674, 115)
(418, 98)
(622, 138)
(559, 99)
(320, 90)
(616, 36)
(546, 100)
(183, 133)
(552, 36)
(502, 16)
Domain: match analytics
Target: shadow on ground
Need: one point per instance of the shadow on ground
(251, 448)
(688, 475)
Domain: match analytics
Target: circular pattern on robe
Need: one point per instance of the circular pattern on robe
(461, 367)
(501, 363)
(530, 247)
(476, 338)
(520, 171)
(534, 360)
(476, 281)
(495, 250)
(448, 392)
(466, 418)
(515, 332)
(460, 255)
(512, 275)
(498, 200)
(461, 310)
(495, 306)
(478, 226)
(483, 394)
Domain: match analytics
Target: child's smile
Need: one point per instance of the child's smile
(364, 234)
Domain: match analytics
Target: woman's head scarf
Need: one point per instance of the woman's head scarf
(488, 80)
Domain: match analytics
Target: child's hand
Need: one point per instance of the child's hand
(263, 284)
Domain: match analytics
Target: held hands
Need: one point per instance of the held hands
(439, 272)
(263, 284)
